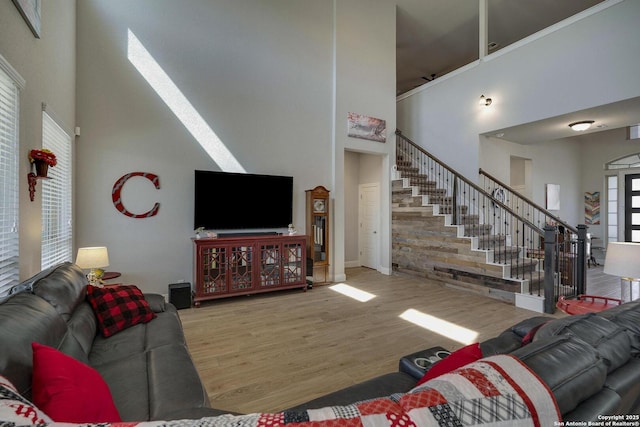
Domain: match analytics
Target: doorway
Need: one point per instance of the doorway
(520, 176)
(364, 172)
(632, 208)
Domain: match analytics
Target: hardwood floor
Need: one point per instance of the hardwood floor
(606, 285)
(268, 352)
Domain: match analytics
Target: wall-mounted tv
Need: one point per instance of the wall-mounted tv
(226, 201)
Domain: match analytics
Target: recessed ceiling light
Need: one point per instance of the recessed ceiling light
(582, 125)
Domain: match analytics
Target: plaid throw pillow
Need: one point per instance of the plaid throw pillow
(118, 307)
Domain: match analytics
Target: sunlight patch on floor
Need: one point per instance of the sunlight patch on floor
(180, 105)
(440, 326)
(350, 291)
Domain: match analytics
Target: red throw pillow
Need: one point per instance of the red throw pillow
(118, 307)
(455, 360)
(68, 390)
(528, 338)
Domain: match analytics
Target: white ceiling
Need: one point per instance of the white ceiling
(435, 37)
(606, 117)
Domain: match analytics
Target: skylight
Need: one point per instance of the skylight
(180, 105)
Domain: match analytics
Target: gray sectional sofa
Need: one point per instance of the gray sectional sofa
(148, 367)
(590, 362)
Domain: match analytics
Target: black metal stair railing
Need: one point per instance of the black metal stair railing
(525, 207)
(569, 242)
(496, 224)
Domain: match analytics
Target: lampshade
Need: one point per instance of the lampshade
(95, 257)
(623, 260)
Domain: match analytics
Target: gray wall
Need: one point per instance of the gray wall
(590, 62)
(545, 77)
(577, 164)
(596, 150)
(552, 163)
(274, 80)
(48, 65)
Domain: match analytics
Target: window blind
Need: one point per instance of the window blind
(9, 108)
(57, 233)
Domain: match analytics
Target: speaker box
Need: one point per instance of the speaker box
(180, 295)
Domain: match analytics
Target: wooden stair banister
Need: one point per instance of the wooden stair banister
(555, 218)
(494, 224)
(473, 185)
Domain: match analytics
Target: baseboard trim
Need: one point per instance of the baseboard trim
(530, 302)
(385, 270)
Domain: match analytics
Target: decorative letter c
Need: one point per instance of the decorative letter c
(117, 199)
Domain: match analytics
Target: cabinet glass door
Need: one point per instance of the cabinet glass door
(319, 239)
(269, 265)
(292, 265)
(214, 266)
(240, 269)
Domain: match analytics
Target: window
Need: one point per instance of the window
(627, 162)
(612, 208)
(57, 236)
(9, 108)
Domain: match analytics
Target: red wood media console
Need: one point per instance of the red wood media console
(231, 266)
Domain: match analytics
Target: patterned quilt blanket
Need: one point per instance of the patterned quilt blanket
(495, 391)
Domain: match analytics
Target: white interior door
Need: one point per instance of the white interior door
(369, 219)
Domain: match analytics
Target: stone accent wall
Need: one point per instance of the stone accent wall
(424, 245)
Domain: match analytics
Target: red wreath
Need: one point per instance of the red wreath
(44, 155)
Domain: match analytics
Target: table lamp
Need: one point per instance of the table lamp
(623, 259)
(94, 257)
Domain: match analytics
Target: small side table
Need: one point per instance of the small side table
(416, 364)
(109, 275)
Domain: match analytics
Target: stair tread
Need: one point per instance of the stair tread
(411, 210)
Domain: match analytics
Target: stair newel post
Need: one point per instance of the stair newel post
(581, 264)
(550, 232)
(454, 201)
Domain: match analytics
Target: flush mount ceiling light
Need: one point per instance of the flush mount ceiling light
(485, 101)
(582, 125)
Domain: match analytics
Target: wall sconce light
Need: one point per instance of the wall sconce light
(582, 125)
(485, 101)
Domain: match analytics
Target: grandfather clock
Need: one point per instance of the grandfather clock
(317, 229)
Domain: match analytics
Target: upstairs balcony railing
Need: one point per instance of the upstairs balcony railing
(519, 236)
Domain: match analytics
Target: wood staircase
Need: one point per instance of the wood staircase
(470, 256)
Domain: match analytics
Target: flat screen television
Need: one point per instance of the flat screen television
(227, 201)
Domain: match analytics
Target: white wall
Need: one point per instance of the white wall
(595, 151)
(48, 65)
(365, 82)
(553, 162)
(273, 80)
(577, 163)
(351, 220)
(588, 63)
